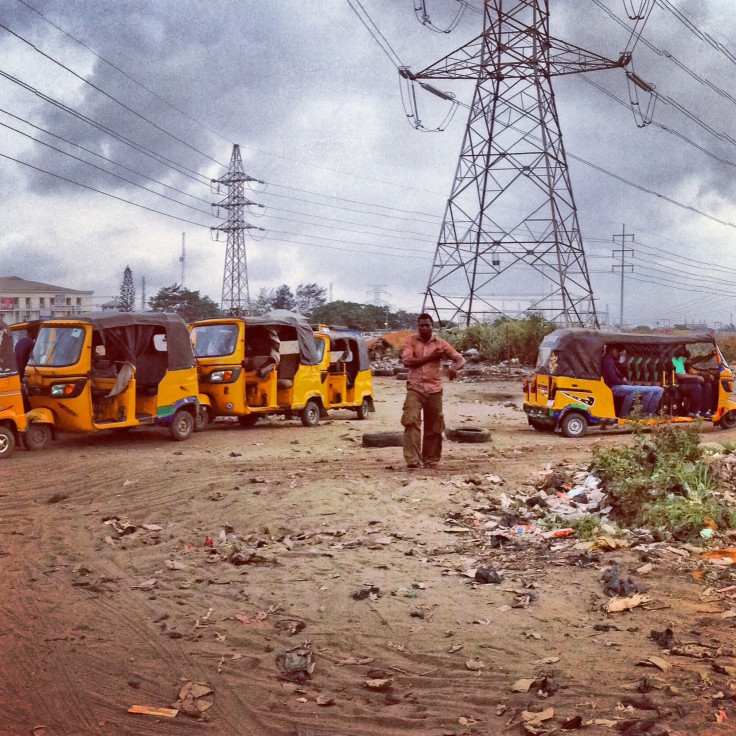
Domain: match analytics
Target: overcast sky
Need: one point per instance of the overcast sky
(354, 196)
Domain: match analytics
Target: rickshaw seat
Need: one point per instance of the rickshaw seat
(289, 365)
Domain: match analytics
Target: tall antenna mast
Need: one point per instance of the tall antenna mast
(511, 223)
(235, 293)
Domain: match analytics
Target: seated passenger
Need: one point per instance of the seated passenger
(694, 388)
(619, 385)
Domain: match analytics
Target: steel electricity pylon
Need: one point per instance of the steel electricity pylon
(235, 293)
(510, 226)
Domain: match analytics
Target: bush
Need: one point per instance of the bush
(504, 339)
(661, 482)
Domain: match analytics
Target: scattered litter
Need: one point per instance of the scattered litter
(617, 605)
(724, 556)
(665, 639)
(615, 585)
(696, 651)
(150, 710)
(523, 685)
(487, 576)
(572, 723)
(146, 584)
(191, 699)
(555, 533)
(290, 626)
(366, 591)
(475, 665)
(296, 664)
(605, 544)
(379, 680)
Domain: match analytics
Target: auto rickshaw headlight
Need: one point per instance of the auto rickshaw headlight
(221, 376)
(62, 389)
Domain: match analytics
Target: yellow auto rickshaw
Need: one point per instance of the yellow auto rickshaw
(114, 371)
(15, 424)
(254, 366)
(347, 380)
(567, 391)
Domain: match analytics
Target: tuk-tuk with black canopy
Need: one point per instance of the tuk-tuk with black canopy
(347, 379)
(16, 426)
(567, 391)
(115, 370)
(251, 367)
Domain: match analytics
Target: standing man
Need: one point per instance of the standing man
(23, 350)
(24, 346)
(422, 354)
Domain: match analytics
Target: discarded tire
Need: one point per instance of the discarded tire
(468, 434)
(383, 371)
(383, 439)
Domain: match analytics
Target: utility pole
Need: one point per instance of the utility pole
(183, 256)
(511, 217)
(623, 252)
(143, 294)
(235, 293)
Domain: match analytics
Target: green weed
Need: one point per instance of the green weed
(660, 482)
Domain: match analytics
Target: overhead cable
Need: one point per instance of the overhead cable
(125, 74)
(99, 191)
(109, 96)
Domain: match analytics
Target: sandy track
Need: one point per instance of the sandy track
(322, 516)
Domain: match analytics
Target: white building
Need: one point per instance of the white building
(22, 300)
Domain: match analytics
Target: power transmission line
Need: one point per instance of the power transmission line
(106, 94)
(99, 191)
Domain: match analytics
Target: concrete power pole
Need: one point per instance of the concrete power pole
(623, 266)
(183, 257)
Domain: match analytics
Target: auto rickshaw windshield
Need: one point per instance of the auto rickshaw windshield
(57, 346)
(214, 340)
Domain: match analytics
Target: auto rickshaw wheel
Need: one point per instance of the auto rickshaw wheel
(574, 425)
(310, 414)
(247, 420)
(363, 409)
(37, 436)
(7, 442)
(204, 418)
(728, 420)
(182, 425)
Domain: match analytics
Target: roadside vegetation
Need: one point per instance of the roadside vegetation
(504, 339)
(662, 482)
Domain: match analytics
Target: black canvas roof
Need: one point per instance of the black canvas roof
(578, 352)
(131, 332)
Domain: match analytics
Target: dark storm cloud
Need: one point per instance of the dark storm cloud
(315, 104)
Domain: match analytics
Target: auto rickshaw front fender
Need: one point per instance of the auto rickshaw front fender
(42, 415)
(728, 406)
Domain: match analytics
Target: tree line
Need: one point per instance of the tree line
(309, 300)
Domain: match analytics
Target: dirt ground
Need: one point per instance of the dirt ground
(223, 552)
